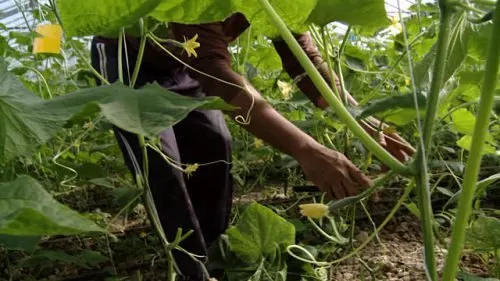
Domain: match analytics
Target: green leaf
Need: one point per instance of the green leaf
(23, 243)
(445, 191)
(84, 259)
(26, 121)
(482, 185)
(484, 235)
(466, 141)
(21, 131)
(93, 17)
(463, 121)
(370, 13)
(26, 208)
(193, 11)
(96, 17)
(476, 47)
(147, 111)
(469, 277)
(399, 109)
(259, 233)
(463, 39)
(413, 208)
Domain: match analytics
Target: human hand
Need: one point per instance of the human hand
(332, 172)
(392, 142)
(397, 146)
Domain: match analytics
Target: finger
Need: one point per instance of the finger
(349, 186)
(381, 139)
(328, 194)
(375, 197)
(338, 190)
(406, 157)
(408, 149)
(398, 140)
(360, 178)
(401, 155)
(398, 154)
(322, 103)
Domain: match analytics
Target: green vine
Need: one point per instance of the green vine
(475, 155)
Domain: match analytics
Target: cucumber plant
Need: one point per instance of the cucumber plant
(83, 18)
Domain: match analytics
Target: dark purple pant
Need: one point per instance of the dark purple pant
(201, 202)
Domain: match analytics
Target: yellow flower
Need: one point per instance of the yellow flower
(396, 24)
(389, 130)
(191, 168)
(190, 46)
(314, 210)
(407, 82)
(89, 125)
(258, 143)
(286, 89)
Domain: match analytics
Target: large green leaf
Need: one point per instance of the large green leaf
(193, 11)
(26, 121)
(147, 111)
(85, 259)
(91, 17)
(368, 13)
(294, 14)
(464, 122)
(260, 233)
(96, 17)
(27, 209)
(466, 143)
(464, 40)
(24, 243)
(21, 131)
(484, 184)
(484, 235)
(399, 110)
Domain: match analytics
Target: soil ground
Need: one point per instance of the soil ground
(397, 255)
(134, 252)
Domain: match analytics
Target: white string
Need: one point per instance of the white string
(126, 56)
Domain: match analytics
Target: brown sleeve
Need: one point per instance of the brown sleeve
(213, 58)
(294, 69)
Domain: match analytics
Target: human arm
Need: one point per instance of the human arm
(393, 143)
(328, 169)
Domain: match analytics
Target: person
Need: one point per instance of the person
(202, 202)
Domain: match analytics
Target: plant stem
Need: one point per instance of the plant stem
(121, 35)
(144, 180)
(486, 2)
(343, 90)
(142, 47)
(333, 206)
(422, 178)
(475, 156)
(40, 75)
(327, 93)
(326, 56)
(466, 7)
(379, 228)
(438, 73)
